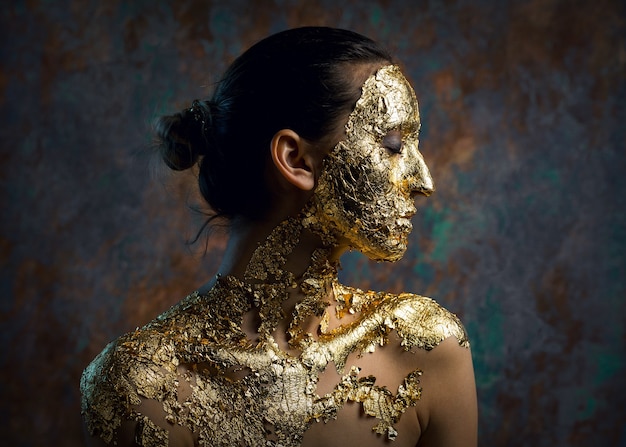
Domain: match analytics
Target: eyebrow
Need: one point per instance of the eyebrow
(406, 127)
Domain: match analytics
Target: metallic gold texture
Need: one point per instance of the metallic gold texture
(365, 192)
(196, 362)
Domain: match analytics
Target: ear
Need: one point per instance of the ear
(293, 157)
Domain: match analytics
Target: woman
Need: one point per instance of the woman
(309, 147)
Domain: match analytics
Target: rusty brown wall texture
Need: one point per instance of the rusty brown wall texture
(524, 122)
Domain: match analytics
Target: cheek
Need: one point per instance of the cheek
(363, 182)
(358, 191)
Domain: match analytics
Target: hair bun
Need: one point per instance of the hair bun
(228, 136)
(183, 136)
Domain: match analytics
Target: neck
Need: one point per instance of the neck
(290, 268)
(268, 251)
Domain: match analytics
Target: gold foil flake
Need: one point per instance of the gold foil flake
(324, 323)
(269, 258)
(280, 390)
(365, 191)
(148, 433)
(377, 401)
(316, 286)
(195, 359)
(105, 413)
(422, 323)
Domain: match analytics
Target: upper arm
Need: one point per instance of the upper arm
(449, 394)
(150, 430)
(124, 437)
(116, 411)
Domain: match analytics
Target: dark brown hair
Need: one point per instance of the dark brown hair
(299, 79)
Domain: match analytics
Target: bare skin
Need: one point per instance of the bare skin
(446, 414)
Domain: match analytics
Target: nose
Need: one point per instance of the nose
(420, 180)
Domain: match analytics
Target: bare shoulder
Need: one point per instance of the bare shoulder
(448, 410)
(422, 323)
(136, 368)
(123, 389)
(424, 338)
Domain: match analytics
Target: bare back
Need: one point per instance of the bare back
(372, 378)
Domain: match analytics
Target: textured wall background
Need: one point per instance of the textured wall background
(523, 128)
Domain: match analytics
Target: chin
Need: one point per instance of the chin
(388, 253)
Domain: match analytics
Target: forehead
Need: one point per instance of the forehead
(387, 102)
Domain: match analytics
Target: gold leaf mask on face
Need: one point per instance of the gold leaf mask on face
(365, 192)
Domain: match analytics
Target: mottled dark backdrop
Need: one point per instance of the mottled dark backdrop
(523, 128)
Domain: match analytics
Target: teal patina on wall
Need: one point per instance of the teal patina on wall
(488, 337)
(522, 106)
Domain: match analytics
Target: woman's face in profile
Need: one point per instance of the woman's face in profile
(365, 194)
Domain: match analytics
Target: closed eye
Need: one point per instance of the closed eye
(392, 141)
